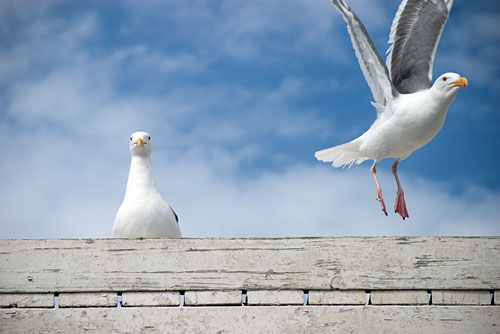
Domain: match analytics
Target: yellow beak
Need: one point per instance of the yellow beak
(140, 142)
(462, 82)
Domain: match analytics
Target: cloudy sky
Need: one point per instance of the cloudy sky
(237, 96)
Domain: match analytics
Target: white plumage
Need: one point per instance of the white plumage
(144, 213)
(410, 109)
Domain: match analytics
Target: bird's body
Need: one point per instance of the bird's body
(410, 109)
(143, 212)
(412, 121)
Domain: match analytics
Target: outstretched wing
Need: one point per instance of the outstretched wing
(372, 65)
(415, 34)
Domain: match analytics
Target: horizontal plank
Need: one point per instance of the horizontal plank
(227, 297)
(164, 298)
(440, 297)
(257, 319)
(337, 297)
(88, 299)
(275, 297)
(399, 297)
(344, 263)
(26, 300)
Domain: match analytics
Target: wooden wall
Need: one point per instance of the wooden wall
(251, 285)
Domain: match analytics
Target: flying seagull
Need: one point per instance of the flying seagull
(410, 109)
(144, 213)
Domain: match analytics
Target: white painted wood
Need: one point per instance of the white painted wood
(26, 300)
(275, 297)
(337, 297)
(450, 297)
(256, 319)
(226, 297)
(119, 265)
(399, 297)
(163, 298)
(88, 299)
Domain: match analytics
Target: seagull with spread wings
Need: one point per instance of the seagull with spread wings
(410, 109)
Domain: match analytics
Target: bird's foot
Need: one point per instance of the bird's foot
(400, 205)
(380, 201)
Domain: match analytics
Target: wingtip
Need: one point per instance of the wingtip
(340, 5)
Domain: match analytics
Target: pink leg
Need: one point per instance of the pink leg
(379, 198)
(399, 205)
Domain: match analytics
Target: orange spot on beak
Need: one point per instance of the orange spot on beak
(462, 82)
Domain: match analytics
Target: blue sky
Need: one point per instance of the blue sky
(237, 96)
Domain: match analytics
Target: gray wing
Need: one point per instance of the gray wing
(414, 36)
(372, 65)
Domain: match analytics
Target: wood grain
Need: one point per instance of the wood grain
(275, 297)
(228, 297)
(88, 299)
(165, 298)
(26, 300)
(399, 297)
(441, 297)
(337, 297)
(255, 319)
(346, 263)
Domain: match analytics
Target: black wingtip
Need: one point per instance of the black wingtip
(176, 217)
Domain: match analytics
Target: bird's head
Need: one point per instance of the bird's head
(448, 84)
(140, 144)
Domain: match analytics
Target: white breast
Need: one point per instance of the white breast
(413, 120)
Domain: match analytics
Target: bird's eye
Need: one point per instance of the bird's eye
(130, 138)
(149, 137)
(444, 79)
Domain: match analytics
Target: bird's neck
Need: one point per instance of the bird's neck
(443, 101)
(140, 176)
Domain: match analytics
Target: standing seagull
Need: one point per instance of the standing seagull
(144, 213)
(410, 109)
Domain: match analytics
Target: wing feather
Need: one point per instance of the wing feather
(370, 61)
(415, 33)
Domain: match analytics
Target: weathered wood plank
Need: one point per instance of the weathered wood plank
(399, 297)
(337, 297)
(164, 298)
(364, 263)
(88, 299)
(26, 300)
(275, 297)
(257, 319)
(443, 297)
(227, 297)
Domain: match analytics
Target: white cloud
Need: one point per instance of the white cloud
(58, 190)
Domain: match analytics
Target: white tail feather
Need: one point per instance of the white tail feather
(342, 155)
